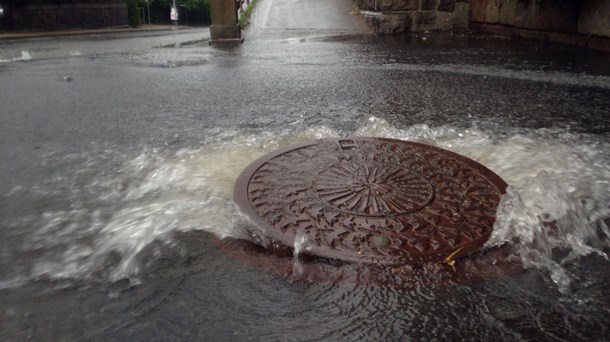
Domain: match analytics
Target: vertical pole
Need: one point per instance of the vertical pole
(224, 26)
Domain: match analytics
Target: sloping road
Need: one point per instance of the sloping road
(296, 18)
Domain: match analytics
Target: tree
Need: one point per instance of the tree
(134, 10)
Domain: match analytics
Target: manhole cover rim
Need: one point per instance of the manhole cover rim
(242, 200)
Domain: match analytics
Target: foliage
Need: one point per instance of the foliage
(195, 12)
(244, 18)
(134, 11)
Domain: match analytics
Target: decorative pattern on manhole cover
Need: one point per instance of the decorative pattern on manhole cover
(372, 189)
(372, 200)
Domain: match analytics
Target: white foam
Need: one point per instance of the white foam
(561, 178)
(25, 56)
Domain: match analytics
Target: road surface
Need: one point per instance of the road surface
(118, 153)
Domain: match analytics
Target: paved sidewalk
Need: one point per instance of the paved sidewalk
(75, 32)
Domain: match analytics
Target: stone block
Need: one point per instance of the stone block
(425, 18)
(526, 14)
(484, 11)
(458, 19)
(428, 5)
(396, 5)
(366, 5)
(390, 23)
(446, 6)
(560, 16)
(224, 32)
(594, 18)
(224, 21)
(507, 11)
(460, 15)
(444, 21)
(547, 15)
(424, 21)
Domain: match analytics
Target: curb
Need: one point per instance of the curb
(122, 29)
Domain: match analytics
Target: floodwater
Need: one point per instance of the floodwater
(124, 237)
(118, 167)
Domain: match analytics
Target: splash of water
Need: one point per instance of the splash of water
(555, 210)
(25, 56)
(557, 199)
(300, 245)
(558, 196)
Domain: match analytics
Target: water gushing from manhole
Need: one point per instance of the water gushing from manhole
(105, 209)
(300, 246)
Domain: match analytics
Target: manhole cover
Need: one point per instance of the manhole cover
(372, 200)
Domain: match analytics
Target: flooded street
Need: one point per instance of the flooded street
(119, 153)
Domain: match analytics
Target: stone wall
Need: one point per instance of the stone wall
(544, 15)
(57, 15)
(590, 17)
(401, 16)
(594, 18)
(577, 22)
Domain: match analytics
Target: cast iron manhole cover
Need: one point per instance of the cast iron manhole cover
(372, 200)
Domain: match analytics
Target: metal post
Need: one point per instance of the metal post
(148, 5)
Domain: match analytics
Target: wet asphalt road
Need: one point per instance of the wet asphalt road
(296, 66)
(143, 94)
(158, 88)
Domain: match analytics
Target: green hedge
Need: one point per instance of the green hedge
(134, 12)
